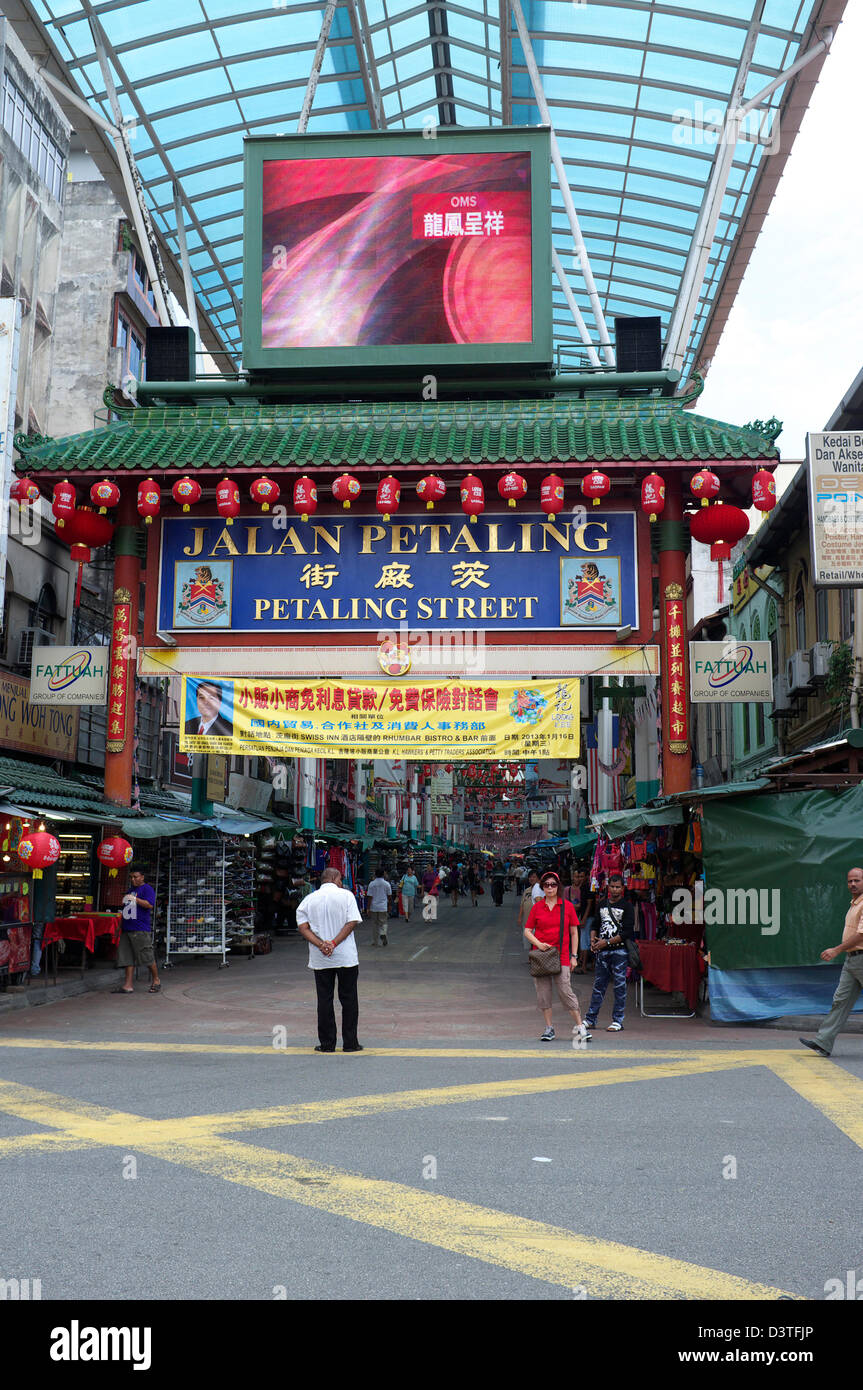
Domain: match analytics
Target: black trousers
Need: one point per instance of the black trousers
(325, 984)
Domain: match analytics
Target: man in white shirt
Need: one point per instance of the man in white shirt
(327, 919)
(380, 893)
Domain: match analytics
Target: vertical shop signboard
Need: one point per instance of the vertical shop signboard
(118, 687)
(677, 682)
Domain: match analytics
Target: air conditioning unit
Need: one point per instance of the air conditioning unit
(819, 660)
(31, 637)
(798, 674)
(781, 698)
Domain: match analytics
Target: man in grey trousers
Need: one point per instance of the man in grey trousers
(851, 979)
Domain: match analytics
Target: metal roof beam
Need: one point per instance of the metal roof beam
(317, 59)
(711, 207)
(368, 64)
(568, 295)
(584, 261)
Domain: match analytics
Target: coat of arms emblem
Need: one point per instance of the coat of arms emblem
(202, 599)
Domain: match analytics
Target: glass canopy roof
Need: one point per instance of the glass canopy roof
(624, 81)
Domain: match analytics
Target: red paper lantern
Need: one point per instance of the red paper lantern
(149, 500)
(431, 489)
(186, 492)
(705, 485)
(24, 492)
(346, 489)
(472, 497)
(37, 850)
(512, 487)
(653, 495)
(104, 494)
(388, 496)
(305, 497)
(764, 491)
(265, 491)
(721, 527)
(227, 500)
(596, 485)
(85, 531)
(115, 852)
(63, 504)
(551, 494)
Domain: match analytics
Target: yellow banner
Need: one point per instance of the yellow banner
(434, 720)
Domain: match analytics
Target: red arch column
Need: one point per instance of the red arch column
(674, 658)
(120, 739)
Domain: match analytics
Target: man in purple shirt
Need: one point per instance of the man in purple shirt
(136, 937)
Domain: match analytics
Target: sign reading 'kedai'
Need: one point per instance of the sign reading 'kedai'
(723, 672)
(836, 507)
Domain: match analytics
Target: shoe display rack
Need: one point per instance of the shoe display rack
(195, 923)
(239, 854)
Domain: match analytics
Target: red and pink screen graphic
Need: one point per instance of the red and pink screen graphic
(390, 250)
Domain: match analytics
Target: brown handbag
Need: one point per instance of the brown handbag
(547, 962)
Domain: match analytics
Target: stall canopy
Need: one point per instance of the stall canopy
(789, 854)
(619, 825)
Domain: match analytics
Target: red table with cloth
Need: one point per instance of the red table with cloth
(675, 969)
(83, 926)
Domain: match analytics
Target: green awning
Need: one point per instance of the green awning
(156, 827)
(722, 789)
(619, 825)
(582, 842)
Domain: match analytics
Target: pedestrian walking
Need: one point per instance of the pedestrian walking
(379, 894)
(851, 979)
(453, 884)
(615, 925)
(583, 901)
(410, 888)
(136, 935)
(473, 883)
(551, 923)
(328, 920)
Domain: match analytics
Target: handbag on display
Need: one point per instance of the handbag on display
(548, 962)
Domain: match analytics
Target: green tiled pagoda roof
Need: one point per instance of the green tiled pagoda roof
(50, 791)
(558, 430)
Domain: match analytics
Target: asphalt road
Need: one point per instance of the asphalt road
(191, 1145)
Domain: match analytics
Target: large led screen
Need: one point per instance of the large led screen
(427, 251)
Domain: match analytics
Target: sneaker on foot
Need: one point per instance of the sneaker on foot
(815, 1047)
(580, 1031)
(548, 1035)
(383, 941)
(614, 1028)
(589, 1023)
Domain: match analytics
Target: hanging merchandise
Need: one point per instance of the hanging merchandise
(186, 492)
(228, 500)
(721, 526)
(63, 504)
(705, 485)
(25, 493)
(512, 487)
(149, 500)
(305, 497)
(388, 496)
(764, 491)
(115, 853)
(653, 495)
(38, 850)
(346, 489)
(104, 494)
(265, 491)
(551, 494)
(195, 919)
(595, 486)
(431, 489)
(472, 497)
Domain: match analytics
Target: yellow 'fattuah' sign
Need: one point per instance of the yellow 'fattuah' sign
(382, 719)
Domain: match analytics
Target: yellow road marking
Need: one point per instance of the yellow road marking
(835, 1092)
(606, 1269)
(562, 1054)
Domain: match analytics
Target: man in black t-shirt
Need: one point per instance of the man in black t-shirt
(614, 925)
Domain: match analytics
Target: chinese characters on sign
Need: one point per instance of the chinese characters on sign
(382, 720)
(118, 675)
(676, 714)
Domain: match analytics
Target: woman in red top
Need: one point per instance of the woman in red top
(542, 929)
